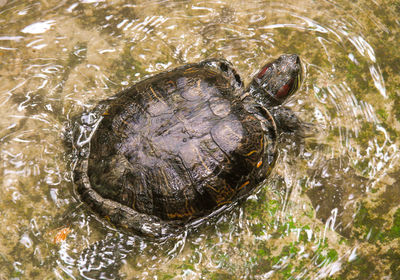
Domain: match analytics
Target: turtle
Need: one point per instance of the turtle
(183, 146)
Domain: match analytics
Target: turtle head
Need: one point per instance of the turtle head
(277, 80)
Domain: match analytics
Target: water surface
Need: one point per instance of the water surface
(330, 209)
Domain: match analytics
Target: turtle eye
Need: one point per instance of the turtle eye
(262, 72)
(285, 90)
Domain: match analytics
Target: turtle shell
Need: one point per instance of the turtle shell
(174, 149)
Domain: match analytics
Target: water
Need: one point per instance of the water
(330, 209)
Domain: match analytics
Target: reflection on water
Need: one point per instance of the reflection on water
(330, 208)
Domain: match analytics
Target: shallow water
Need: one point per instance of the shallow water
(330, 209)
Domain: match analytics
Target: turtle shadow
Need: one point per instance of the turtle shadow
(335, 191)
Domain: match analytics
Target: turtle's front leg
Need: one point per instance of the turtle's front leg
(287, 122)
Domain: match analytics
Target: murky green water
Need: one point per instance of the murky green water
(331, 209)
